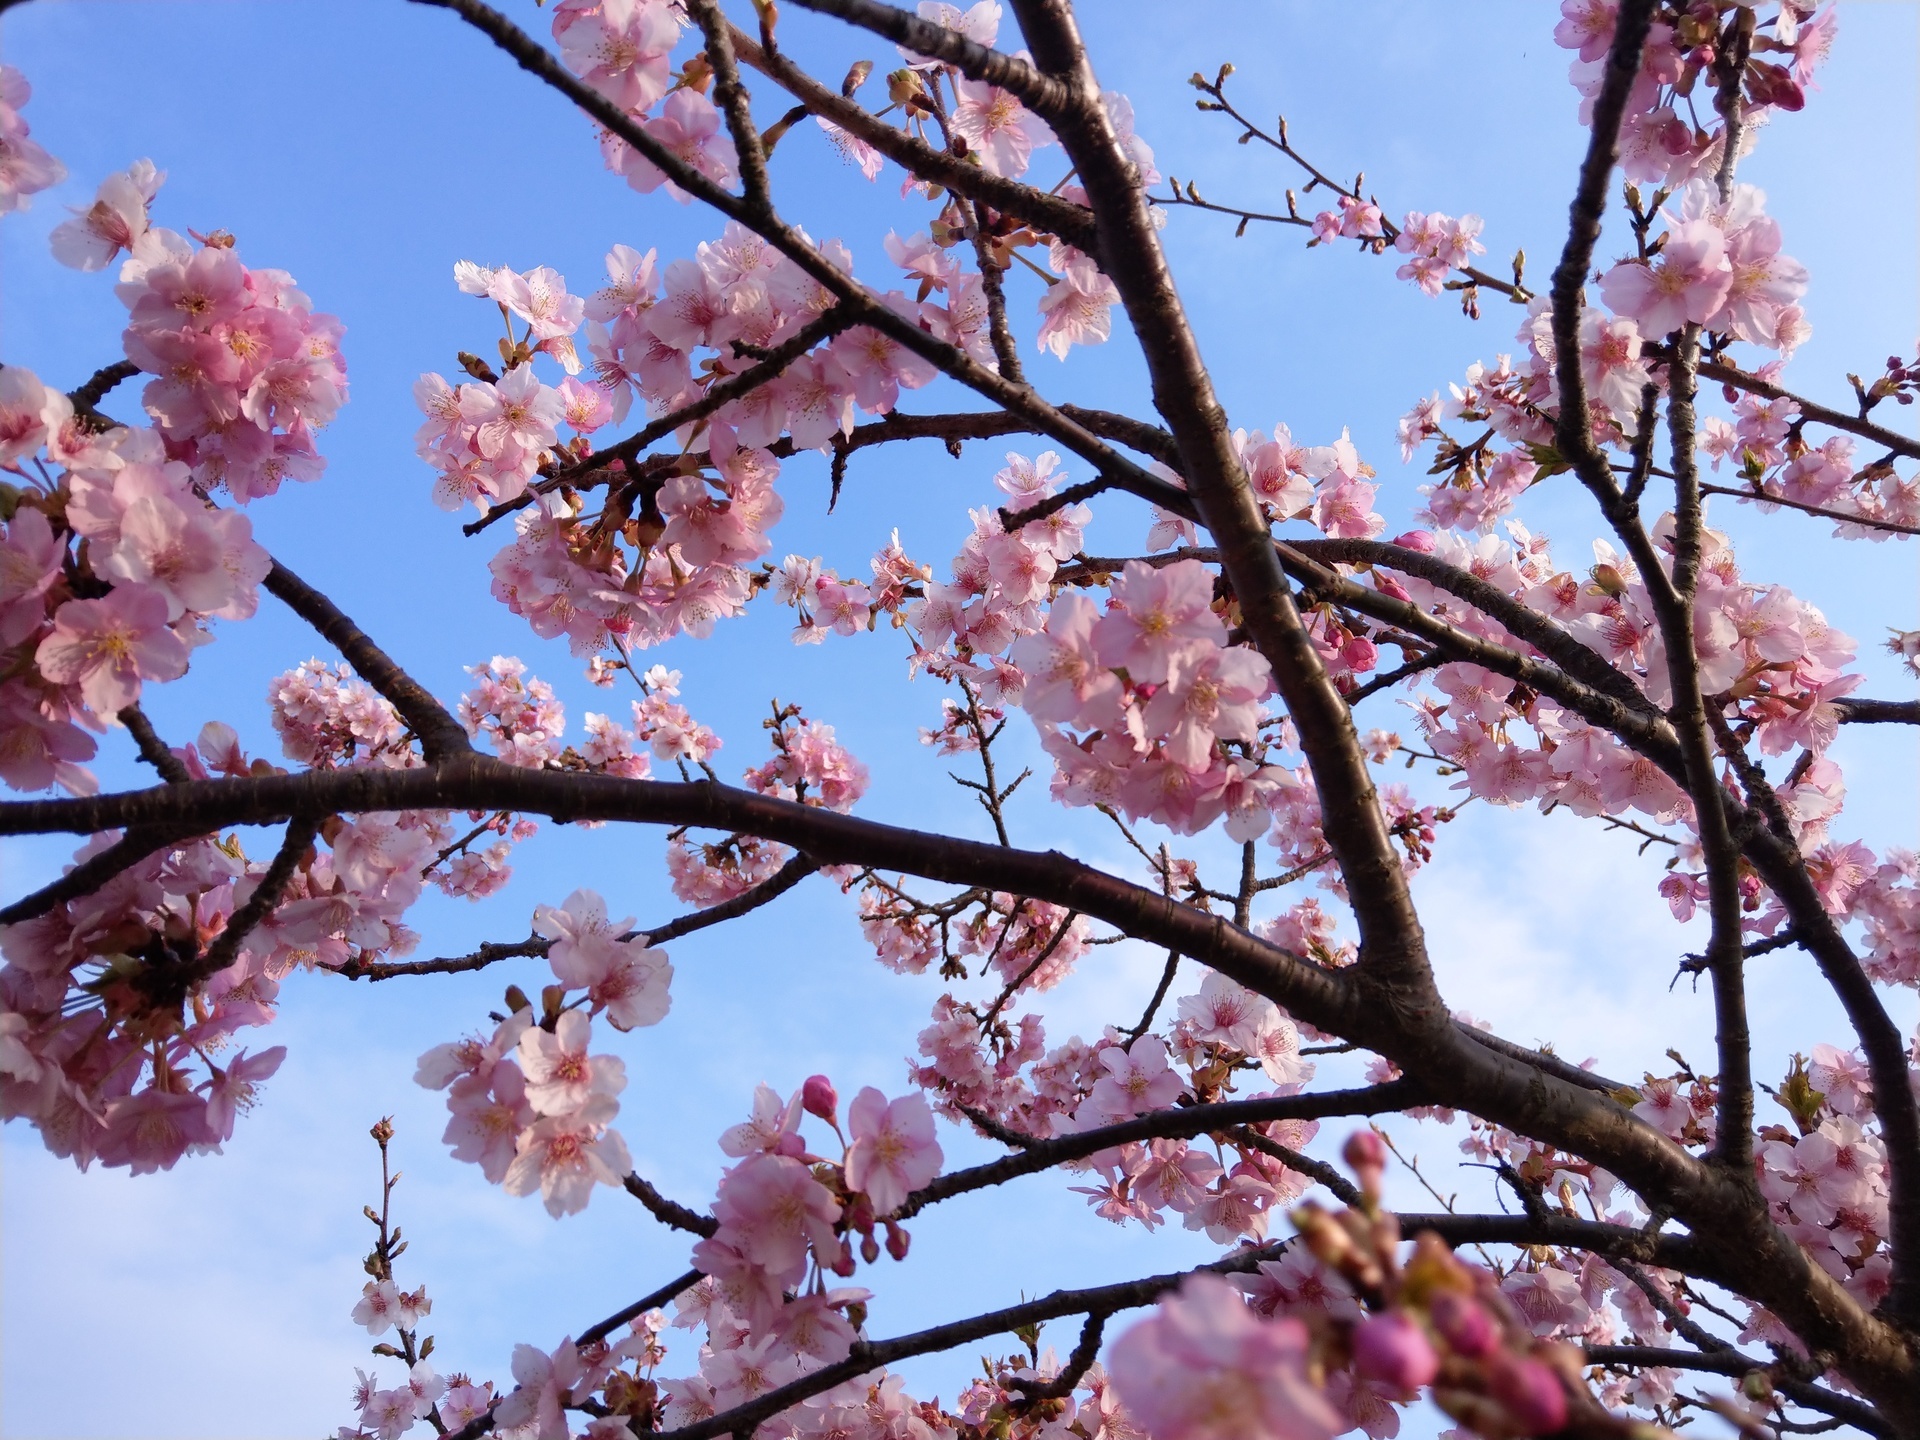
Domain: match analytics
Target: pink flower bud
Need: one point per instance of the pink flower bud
(1531, 1393)
(1421, 540)
(1364, 1150)
(1464, 1324)
(897, 1241)
(1366, 1155)
(1394, 1350)
(820, 1098)
(1775, 85)
(869, 1248)
(858, 1214)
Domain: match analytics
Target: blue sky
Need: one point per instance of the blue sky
(365, 146)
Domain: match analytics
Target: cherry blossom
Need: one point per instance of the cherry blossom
(892, 1151)
(1205, 1367)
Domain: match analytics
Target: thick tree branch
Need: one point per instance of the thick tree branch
(92, 873)
(668, 1212)
(86, 397)
(153, 749)
(1572, 432)
(1392, 949)
(1878, 712)
(1047, 214)
(266, 895)
(1036, 91)
(1733, 1363)
(440, 734)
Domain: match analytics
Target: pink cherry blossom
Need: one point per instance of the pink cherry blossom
(565, 1156)
(1689, 281)
(1156, 614)
(892, 1150)
(1001, 131)
(107, 647)
(561, 1077)
(1136, 1080)
(1204, 1367)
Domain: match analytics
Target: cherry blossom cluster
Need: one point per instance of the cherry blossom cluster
(1777, 464)
(25, 166)
(487, 437)
(1825, 1175)
(978, 1065)
(116, 1039)
(1342, 1328)
(136, 982)
(672, 334)
(245, 370)
(1670, 134)
(808, 765)
(114, 559)
(529, 1105)
(1170, 714)
(1718, 266)
(112, 565)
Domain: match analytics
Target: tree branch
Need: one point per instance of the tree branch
(1036, 91)
(153, 749)
(668, 1212)
(441, 736)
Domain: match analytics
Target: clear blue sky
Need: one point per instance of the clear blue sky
(365, 145)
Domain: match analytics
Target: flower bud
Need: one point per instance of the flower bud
(869, 1248)
(1394, 1350)
(1364, 1150)
(897, 1241)
(819, 1097)
(1366, 1155)
(1464, 1325)
(1530, 1392)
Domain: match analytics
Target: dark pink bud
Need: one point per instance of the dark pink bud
(1775, 85)
(869, 1248)
(1394, 1350)
(1530, 1392)
(843, 1262)
(1421, 540)
(897, 1241)
(1364, 1150)
(820, 1098)
(1676, 137)
(1366, 1155)
(1464, 1324)
(859, 1214)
